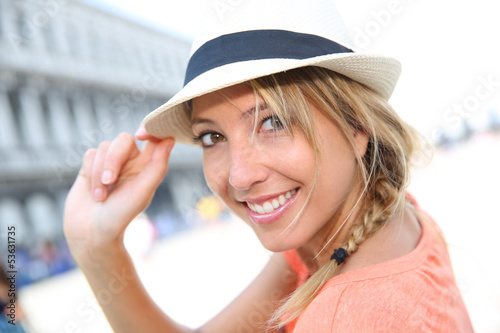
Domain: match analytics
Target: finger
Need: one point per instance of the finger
(99, 190)
(87, 163)
(154, 172)
(83, 177)
(142, 134)
(121, 150)
(150, 146)
(161, 154)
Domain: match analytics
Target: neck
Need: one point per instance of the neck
(317, 252)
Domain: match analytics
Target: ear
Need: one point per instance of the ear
(361, 139)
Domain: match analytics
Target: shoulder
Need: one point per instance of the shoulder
(359, 305)
(414, 293)
(393, 303)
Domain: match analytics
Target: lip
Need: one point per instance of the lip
(274, 215)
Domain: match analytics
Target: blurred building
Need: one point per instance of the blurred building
(72, 75)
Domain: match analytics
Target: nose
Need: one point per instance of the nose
(246, 167)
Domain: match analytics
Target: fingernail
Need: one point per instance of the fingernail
(141, 131)
(98, 194)
(106, 177)
(170, 147)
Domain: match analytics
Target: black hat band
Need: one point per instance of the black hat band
(256, 45)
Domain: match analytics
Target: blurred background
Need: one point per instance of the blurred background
(76, 72)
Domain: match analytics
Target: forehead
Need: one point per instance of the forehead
(240, 96)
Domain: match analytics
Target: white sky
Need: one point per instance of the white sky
(448, 48)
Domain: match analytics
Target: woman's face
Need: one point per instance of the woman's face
(264, 175)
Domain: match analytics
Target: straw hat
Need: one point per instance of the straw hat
(241, 40)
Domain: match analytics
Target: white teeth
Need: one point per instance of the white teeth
(269, 206)
(276, 204)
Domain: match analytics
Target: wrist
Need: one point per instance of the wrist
(88, 254)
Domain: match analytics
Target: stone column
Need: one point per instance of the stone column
(11, 214)
(11, 37)
(2, 20)
(108, 125)
(33, 122)
(62, 124)
(58, 27)
(9, 132)
(36, 20)
(85, 120)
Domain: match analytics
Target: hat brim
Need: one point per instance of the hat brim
(172, 119)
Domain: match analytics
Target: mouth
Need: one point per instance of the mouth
(269, 206)
(271, 209)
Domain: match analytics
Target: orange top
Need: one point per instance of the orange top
(413, 293)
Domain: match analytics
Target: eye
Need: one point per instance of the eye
(271, 123)
(210, 139)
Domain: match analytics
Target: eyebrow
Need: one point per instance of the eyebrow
(201, 121)
(262, 106)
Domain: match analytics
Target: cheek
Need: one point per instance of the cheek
(337, 171)
(299, 163)
(216, 176)
(338, 176)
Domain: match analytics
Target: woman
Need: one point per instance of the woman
(299, 141)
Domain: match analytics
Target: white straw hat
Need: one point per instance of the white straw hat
(241, 40)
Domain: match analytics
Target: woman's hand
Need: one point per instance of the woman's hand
(117, 182)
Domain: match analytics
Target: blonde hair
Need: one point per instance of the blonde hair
(384, 167)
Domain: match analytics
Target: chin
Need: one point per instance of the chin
(272, 236)
(277, 244)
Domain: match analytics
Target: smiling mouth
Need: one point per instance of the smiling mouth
(271, 205)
